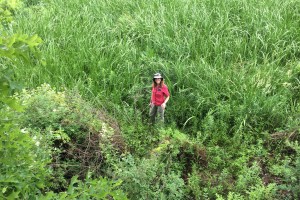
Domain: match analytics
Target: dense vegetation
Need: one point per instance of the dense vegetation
(79, 128)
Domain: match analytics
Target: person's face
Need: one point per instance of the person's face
(157, 80)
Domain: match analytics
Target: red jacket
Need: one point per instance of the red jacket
(159, 94)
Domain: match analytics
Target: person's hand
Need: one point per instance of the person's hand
(151, 104)
(163, 105)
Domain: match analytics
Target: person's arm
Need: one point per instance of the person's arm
(167, 95)
(165, 102)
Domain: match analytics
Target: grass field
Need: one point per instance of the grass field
(209, 51)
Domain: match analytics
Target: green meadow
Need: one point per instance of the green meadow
(231, 125)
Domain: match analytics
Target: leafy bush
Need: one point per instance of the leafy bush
(289, 171)
(140, 139)
(165, 173)
(262, 192)
(258, 192)
(99, 188)
(74, 129)
(149, 179)
(23, 168)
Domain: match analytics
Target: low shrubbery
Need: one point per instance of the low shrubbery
(150, 178)
(61, 145)
(58, 139)
(23, 168)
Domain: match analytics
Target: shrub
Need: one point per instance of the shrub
(289, 171)
(149, 179)
(260, 191)
(99, 188)
(23, 168)
(73, 128)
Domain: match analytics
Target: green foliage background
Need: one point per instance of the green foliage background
(233, 71)
(236, 60)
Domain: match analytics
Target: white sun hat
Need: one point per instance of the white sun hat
(157, 75)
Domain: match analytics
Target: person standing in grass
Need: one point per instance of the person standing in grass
(159, 98)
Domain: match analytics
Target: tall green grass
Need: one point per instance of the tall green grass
(231, 66)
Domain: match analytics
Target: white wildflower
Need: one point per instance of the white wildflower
(286, 84)
(23, 130)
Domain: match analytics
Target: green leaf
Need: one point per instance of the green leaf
(14, 195)
(11, 40)
(71, 186)
(63, 195)
(12, 103)
(118, 183)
